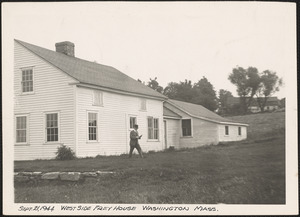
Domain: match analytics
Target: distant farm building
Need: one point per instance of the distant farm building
(272, 104)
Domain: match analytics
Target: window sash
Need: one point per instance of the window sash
(156, 128)
(92, 126)
(186, 127)
(98, 98)
(143, 104)
(153, 128)
(132, 121)
(226, 130)
(150, 128)
(27, 80)
(52, 127)
(21, 129)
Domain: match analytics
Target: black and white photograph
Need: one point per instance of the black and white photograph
(149, 108)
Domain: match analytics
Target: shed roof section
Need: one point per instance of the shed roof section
(167, 112)
(87, 72)
(199, 111)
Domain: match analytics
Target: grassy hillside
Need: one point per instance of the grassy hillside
(263, 125)
(248, 172)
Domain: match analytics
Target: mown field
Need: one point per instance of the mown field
(247, 172)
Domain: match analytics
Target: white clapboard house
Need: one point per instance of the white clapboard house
(60, 99)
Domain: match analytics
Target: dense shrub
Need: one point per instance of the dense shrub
(65, 153)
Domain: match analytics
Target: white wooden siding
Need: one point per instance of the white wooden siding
(51, 92)
(113, 123)
(206, 132)
(233, 133)
(203, 133)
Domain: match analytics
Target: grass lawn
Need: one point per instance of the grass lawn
(248, 172)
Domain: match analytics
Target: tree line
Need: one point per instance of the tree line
(250, 85)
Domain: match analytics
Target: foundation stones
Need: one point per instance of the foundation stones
(35, 177)
(70, 176)
(51, 176)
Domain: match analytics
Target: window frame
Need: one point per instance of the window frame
(191, 121)
(239, 131)
(143, 104)
(100, 94)
(152, 118)
(58, 127)
(226, 130)
(88, 127)
(22, 82)
(27, 129)
(135, 117)
(156, 129)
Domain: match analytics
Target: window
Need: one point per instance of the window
(92, 126)
(153, 128)
(21, 129)
(226, 130)
(132, 122)
(240, 131)
(97, 98)
(52, 127)
(143, 104)
(27, 80)
(156, 128)
(186, 127)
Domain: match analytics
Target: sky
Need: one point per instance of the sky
(170, 41)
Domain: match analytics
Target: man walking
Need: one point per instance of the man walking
(134, 141)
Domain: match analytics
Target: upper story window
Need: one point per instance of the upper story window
(21, 129)
(52, 126)
(226, 130)
(97, 98)
(186, 127)
(153, 128)
(240, 131)
(143, 104)
(27, 80)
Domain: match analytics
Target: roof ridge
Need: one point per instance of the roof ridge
(187, 102)
(23, 42)
(211, 115)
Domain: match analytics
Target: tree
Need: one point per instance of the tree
(269, 84)
(180, 91)
(154, 85)
(247, 82)
(201, 93)
(224, 106)
(205, 95)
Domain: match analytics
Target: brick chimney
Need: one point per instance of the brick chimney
(65, 47)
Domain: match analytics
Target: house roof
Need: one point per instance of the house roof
(92, 73)
(169, 113)
(201, 112)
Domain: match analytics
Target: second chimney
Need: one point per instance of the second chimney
(65, 47)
